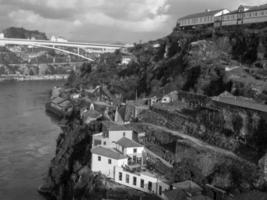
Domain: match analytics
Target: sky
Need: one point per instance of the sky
(106, 20)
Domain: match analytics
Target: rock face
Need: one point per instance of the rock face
(69, 172)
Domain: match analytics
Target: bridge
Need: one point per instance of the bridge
(80, 49)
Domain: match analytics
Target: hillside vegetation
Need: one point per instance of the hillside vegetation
(187, 60)
(15, 32)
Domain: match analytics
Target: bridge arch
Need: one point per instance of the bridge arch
(64, 51)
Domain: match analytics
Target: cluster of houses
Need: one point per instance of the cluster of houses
(117, 154)
(117, 151)
(224, 17)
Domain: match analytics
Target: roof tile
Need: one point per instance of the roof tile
(110, 153)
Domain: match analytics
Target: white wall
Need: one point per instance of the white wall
(248, 17)
(130, 151)
(156, 183)
(104, 167)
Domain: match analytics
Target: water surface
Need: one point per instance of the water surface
(27, 138)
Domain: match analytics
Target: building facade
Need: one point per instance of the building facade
(243, 15)
(105, 160)
(124, 164)
(144, 181)
(203, 18)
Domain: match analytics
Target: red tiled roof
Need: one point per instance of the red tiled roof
(92, 114)
(109, 153)
(111, 126)
(125, 142)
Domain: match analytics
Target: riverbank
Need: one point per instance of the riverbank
(33, 77)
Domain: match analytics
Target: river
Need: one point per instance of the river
(27, 138)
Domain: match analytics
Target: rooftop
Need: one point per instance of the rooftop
(125, 142)
(249, 9)
(187, 185)
(92, 114)
(240, 101)
(58, 100)
(111, 126)
(110, 153)
(201, 14)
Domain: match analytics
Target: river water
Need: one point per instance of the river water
(27, 138)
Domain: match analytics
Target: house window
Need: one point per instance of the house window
(256, 14)
(134, 180)
(142, 184)
(120, 176)
(104, 143)
(149, 187)
(127, 178)
(123, 134)
(109, 161)
(160, 190)
(99, 158)
(134, 150)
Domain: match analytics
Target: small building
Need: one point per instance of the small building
(132, 149)
(2, 36)
(75, 96)
(203, 18)
(105, 160)
(144, 181)
(111, 133)
(126, 59)
(156, 45)
(166, 99)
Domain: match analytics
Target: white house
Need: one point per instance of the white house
(204, 18)
(116, 164)
(75, 96)
(166, 99)
(105, 160)
(132, 149)
(144, 181)
(126, 60)
(2, 36)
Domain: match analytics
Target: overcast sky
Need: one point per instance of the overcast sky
(105, 20)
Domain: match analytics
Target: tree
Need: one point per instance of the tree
(186, 170)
